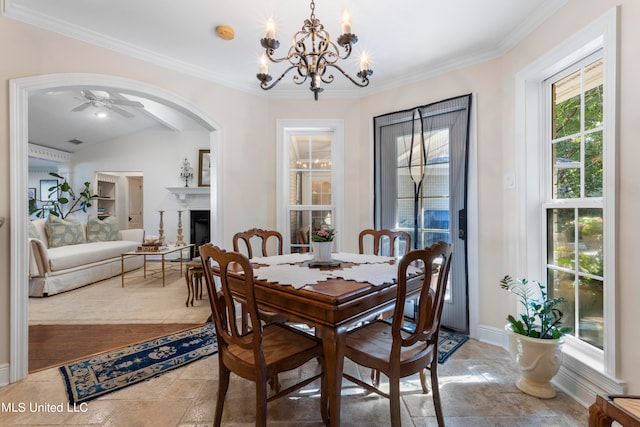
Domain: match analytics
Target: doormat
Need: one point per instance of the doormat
(114, 370)
(448, 342)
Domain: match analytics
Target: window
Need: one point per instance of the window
(310, 202)
(565, 206)
(574, 200)
(309, 180)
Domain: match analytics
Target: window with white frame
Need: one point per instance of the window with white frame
(566, 170)
(573, 200)
(309, 180)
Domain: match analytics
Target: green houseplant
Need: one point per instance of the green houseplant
(64, 201)
(536, 336)
(542, 317)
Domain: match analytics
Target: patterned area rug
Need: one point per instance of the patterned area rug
(107, 372)
(449, 342)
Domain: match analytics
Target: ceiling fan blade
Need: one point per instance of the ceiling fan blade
(120, 111)
(82, 106)
(126, 103)
(89, 95)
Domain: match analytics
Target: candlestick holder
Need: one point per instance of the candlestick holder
(180, 241)
(161, 230)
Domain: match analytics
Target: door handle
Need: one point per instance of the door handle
(462, 224)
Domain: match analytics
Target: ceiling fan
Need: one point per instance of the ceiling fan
(108, 100)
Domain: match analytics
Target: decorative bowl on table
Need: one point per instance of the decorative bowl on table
(152, 240)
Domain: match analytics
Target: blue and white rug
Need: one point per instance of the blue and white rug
(448, 343)
(107, 372)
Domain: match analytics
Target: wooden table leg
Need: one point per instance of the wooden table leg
(333, 342)
(189, 288)
(122, 268)
(163, 270)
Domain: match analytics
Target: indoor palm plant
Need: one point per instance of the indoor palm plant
(536, 336)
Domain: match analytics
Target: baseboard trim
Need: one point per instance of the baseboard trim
(575, 378)
(4, 374)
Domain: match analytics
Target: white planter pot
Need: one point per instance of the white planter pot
(538, 361)
(322, 251)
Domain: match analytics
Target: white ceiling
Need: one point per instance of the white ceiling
(406, 40)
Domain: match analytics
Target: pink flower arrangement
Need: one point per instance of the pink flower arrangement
(323, 235)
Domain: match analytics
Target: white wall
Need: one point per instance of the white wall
(155, 154)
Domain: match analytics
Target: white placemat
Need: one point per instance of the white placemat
(281, 259)
(361, 258)
(298, 277)
(376, 274)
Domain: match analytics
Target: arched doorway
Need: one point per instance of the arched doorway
(19, 95)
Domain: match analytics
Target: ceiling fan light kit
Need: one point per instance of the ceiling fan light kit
(311, 54)
(103, 99)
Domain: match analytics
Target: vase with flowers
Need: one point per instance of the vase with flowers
(322, 244)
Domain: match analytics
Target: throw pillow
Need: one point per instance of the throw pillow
(102, 230)
(33, 231)
(61, 232)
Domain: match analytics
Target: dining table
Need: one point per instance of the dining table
(330, 298)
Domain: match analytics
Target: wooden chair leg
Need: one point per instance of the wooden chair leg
(436, 393)
(375, 377)
(187, 276)
(261, 403)
(223, 386)
(394, 401)
(423, 381)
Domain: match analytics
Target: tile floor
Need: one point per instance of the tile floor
(477, 389)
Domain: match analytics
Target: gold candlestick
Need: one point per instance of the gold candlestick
(180, 241)
(161, 230)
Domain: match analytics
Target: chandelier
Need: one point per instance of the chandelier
(312, 54)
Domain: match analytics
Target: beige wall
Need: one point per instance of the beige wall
(27, 51)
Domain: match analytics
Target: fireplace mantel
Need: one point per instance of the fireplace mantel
(184, 193)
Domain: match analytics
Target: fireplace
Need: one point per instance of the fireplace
(200, 229)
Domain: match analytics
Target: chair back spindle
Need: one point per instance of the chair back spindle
(378, 238)
(264, 237)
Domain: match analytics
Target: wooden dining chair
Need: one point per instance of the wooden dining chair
(396, 352)
(264, 351)
(263, 236)
(380, 237)
(264, 239)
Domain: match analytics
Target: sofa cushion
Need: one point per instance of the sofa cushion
(33, 231)
(64, 232)
(102, 230)
(70, 256)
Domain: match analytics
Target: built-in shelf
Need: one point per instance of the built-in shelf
(183, 193)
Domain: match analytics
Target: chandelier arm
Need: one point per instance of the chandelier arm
(264, 82)
(364, 75)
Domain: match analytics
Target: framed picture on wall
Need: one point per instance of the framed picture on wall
(46, 194)
(204, 168)
(32, 194)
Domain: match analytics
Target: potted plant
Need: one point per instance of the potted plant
(536, 336)
(64, 200)
(322, 243)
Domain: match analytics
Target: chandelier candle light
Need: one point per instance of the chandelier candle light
(311, 54)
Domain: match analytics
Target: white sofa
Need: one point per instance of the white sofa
(59, 269)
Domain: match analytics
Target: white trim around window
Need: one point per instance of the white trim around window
(585, 371)
(283, 128)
